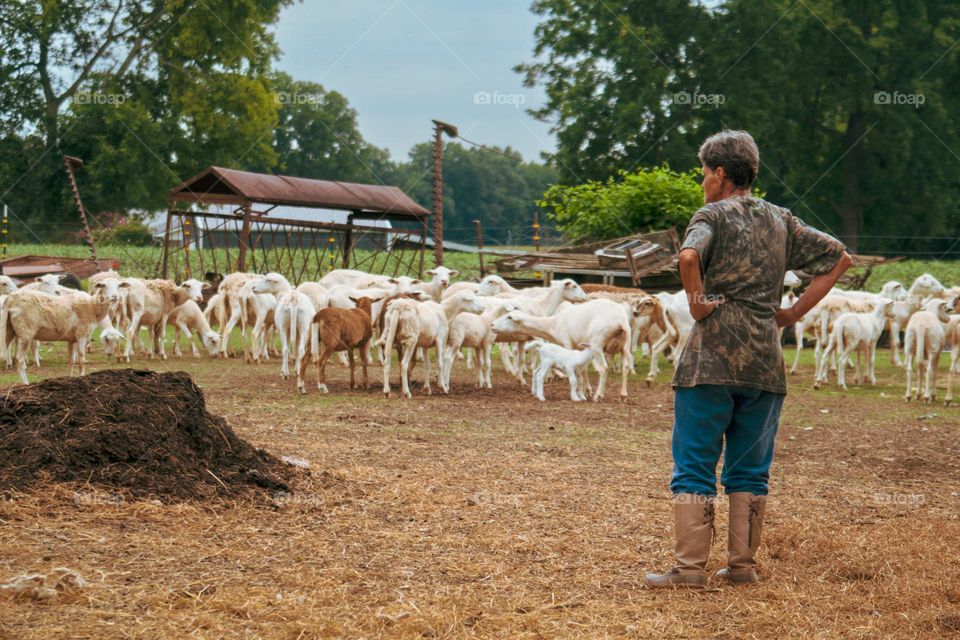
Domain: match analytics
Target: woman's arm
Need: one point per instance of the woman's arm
(700, 306)
(819, 287)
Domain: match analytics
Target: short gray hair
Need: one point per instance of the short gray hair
(736, 152)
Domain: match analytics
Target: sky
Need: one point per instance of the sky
(402, 63)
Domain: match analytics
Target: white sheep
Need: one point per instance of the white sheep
(35, 315)
(953, 339)
(440, 280)
(572, 362)
(189, 320)
(603, 324)
(855, 332)
(923, 343)
(420, 325)
(471, 331)
(293, 315)
(149, 304)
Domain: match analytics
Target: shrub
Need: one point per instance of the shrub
(649, 199)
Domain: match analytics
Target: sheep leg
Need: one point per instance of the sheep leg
(325, 354)
(954, 369)
(162, 336)
(228, 329)
(539, 375)
(626, 368)
(601, 363)
(36, 352)
(928, 380)
(302, 371)
(176, 341)
(22, 348)
(572, 376)
(409, 350)
(353, 380)
(895, 359)
(132, 330)
(365, 348)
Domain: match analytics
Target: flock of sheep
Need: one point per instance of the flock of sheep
(568, 326)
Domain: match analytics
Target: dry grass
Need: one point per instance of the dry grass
(483, 514)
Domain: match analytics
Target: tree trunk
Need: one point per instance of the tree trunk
(851, 205)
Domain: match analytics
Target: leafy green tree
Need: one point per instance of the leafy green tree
(850, 102)
(317, 136)
(493, 185)
(646, 200)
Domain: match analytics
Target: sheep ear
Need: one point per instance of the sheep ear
(454, 273)
(124, 285)
(205, 286)
(393, 281)
(416, 281)
(354, 300)
(431, 272)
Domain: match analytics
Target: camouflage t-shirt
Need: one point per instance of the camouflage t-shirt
(746, 245)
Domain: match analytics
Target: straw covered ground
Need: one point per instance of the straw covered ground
(485, 514)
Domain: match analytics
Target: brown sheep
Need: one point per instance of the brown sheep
(340, 330)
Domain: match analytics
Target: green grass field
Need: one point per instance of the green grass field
(144, 262)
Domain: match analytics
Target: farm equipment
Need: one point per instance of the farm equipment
(27, 268)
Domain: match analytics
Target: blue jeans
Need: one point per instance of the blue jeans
(705, 416)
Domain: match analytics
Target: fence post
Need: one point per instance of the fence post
(536, 230)
(348, 240)
(4, 232)
(166, 242)
(244, 238)
(480, 246)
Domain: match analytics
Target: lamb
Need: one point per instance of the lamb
(573, 363)
(149, 303)
(923, 343)
(229, 303)
(340, 330)
(422, 325)
(363, 280)
(7, 285)
(440, 281)
(189, 319)
(475, 332)
(37, 316)
(603, 324)
(953, 339)
(294, 313)
(648, 320)
(677, 312)
(855, 332)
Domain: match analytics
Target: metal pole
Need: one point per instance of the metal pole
(244, 238)
(186, 243)
(439, 129)
(166, 242)
(480, 246)
(438, 196)
(4, 232)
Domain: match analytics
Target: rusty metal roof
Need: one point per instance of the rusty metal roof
(217, 185)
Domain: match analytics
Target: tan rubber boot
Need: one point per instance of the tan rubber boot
(694, 524)
(746, 524)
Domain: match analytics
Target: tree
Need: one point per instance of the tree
(493, 185)
(317, 136)
(646, 200)
(109, 76)
(610, 69)
(850, 102)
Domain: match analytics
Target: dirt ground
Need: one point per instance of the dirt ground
(488, 514)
